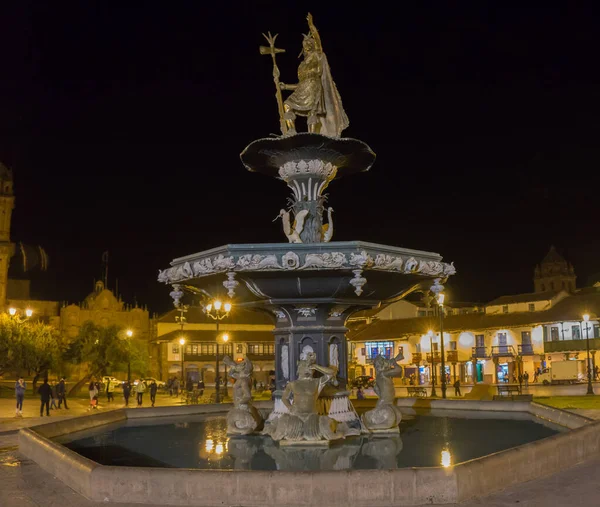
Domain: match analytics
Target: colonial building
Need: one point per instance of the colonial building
(7, 249)
(249, 334)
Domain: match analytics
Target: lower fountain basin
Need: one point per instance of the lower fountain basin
(168, 460)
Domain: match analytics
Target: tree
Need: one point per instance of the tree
(41, 348)
(104, 349)
(9, 338)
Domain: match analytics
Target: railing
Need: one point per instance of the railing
(437, 358)
(205, 357)
(479, 352)
(503, 350)
(452, 356)
(571, 345)
(417, 357)
(526, 349)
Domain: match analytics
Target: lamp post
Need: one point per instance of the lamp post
(441, 309)
(433, 391)
(14, 312)
(217, 310)
(590, 389)
(129, 334)
(224, 337)
(181, 347)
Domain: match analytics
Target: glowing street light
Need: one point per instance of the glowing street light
(29, 312)
(129, 333)
(12, 311)
(446, 459)
(181, 344)
(441, 298)
(218, 311)
(590, 389)
(433, 391)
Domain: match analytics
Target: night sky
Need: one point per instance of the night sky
(123, 126)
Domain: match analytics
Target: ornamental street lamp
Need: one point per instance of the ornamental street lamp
(225, 338)
(181, 349)
(590, 389)
(129, 334)
(217, 310)
(433, 391)
(441, 308)
(14, 312)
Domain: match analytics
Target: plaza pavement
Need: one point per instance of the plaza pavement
(24, 484)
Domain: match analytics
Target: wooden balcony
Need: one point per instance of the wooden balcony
(571, 345)
(503, 351)
(526, 350)
(480, 353)
(437, 358)
(452, 356)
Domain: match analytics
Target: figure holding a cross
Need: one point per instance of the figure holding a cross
(315, 96)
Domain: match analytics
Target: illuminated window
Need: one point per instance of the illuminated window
(554, 334)
(532, 307)
(374, 349)
(575, 333)
(453, 346)
(505, 309)
(596, 331)
(175, 349)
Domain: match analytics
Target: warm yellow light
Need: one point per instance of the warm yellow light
(209, 445)
(586, 317)
(446, 459)
(218, 305)
(129, 333)
(29, 312)
(227, 307)
(219, 449)
(12, 311)
(208, 307)
(441, 298)
(225, 337)
(430, 333)
(182, 341)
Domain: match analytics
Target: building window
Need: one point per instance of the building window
(435, 346)
(401, 350)
(175, 348)
(453, 346)
(422, 313)
(532, 307)
(239, 349)
(188, 350)
(261, 349)
(554, 334)
(505, 309)
(418, 348)
(526, 337)
(374, 349)
(479, 340)
(575, 333)
(596, 330)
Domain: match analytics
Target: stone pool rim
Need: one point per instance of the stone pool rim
(347, 488)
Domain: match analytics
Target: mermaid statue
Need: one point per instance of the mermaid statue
(243, 418)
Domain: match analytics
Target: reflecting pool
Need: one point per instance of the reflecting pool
(202, 442)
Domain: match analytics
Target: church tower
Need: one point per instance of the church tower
(554, 274)
(7, 249)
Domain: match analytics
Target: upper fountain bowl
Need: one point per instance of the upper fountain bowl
(270, 154)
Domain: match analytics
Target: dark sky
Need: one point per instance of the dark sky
(124, 125)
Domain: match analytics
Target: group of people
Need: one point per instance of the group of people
(52, 395)
(139, 388)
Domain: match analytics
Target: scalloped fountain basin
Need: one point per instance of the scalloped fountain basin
(201, 442)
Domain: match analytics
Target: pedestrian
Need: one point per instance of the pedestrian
(110, 390)
(93, 392)
(61, 390)
(596, 372)
(140, 390)
(520, 378)
(360, 395)
(153, 389)
(54, 395)
(126, 392)
(457, 392)
(201, 387)
(45, 392)
(254, 383)
(535, 376)
(20, 386)
(526, 379)
(170, 386)
(175, 386)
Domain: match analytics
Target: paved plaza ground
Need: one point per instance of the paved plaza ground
(24, 484)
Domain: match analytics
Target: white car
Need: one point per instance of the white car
(148, 380)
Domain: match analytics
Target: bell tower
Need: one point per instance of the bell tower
(7, 249)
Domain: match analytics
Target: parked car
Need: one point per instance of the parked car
(148, 380)
(104, 381)
(364, 381)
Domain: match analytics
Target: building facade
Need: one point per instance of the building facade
(249, 334)
(7, 249)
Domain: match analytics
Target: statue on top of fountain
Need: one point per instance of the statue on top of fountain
(315, 96)
(303, 423)
(243, 418)
(386, 416)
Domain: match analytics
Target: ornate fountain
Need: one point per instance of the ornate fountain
(311, 284)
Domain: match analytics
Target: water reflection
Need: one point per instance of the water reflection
(384, 451)
(216, 443)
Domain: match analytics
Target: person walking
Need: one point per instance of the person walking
(175, 386)
(140, 390)
(54, 395)
(360, 395)
(45, 392)
(93, 391)
(153, 389)
(20, 386)
(110, 390)
(457, 392)
(61, 391)
(526, 379)
(126, 392)
(201, 387)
